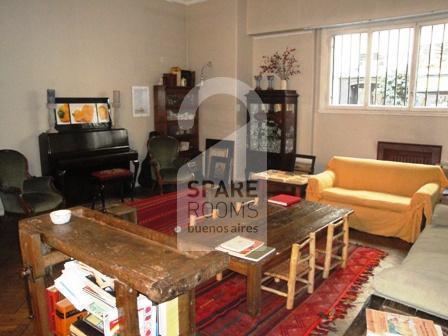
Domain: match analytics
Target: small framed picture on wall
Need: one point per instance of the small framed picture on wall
(140, 101)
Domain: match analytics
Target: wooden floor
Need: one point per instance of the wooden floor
(14, 319)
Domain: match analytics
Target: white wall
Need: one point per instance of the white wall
(211, 36)
(265, 16)
(82, 48)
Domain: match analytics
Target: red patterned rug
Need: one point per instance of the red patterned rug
(221, 306)
(160, 212)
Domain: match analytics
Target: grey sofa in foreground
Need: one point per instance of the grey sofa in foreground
(421, 281)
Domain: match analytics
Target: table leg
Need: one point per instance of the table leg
(187, 313)
(34, 268)
(127, 309)
(346, 229)
(136, 164)
(253, 289)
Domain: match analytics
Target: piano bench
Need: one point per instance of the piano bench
(101, 177)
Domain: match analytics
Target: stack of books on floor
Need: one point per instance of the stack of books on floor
(245, 248)
(82, 303)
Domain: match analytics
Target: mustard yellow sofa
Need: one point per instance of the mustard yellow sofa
(388, 198)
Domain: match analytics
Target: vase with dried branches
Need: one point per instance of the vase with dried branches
(283, 65)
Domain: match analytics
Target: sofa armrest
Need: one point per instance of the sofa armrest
(318, 183)
(427, 197)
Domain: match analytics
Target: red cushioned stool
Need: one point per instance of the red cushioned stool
(101, 177)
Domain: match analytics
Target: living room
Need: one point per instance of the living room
(127, 58)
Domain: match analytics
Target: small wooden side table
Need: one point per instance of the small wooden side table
(123, 211)
(291, 179)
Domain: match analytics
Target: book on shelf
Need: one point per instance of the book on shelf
(284, 200)
(65, 315)
(82, 328)
(52, 297)
(256, 251)
(381, 323)
(167, 318)
(94, 322)
(90, 291)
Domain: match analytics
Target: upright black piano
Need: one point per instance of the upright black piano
(71, 156)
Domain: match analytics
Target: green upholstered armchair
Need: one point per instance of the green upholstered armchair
(21, 193)
(166, 163)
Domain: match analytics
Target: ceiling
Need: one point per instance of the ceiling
(187, 2)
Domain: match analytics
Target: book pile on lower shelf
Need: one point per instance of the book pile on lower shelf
(249, 249)
(82, 303)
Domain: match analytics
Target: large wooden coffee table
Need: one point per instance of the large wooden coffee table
(285, 226)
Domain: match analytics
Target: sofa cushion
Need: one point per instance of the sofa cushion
(366, 198)
(395, 178)
(432, 240)
(420, 281)
(424, 291)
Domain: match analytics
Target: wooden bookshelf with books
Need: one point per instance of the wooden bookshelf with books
(176, 114)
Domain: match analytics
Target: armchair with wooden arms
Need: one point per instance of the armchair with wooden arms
(21, 193)
(166, 165)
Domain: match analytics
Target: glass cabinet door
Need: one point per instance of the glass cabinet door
(289, 128)
(264, 127)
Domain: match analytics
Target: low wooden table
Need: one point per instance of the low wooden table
(296, 181)
(359, 324)
(139, 259)
(285, 226)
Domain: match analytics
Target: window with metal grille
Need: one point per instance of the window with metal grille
(389, 67)
(432, 69)
(349, 53)
(384, 68)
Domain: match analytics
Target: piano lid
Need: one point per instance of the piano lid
(86, 142)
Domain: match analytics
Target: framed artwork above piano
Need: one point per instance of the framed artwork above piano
(82, 113)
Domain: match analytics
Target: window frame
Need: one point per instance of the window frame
(365, 108)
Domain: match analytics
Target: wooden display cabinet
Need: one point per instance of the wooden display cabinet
(176, 114)
(271, 129)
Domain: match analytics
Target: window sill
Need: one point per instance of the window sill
(387, 111)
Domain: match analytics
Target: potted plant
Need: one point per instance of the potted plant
(283, 65)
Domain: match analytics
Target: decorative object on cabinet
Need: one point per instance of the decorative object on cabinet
(258, 79)
(169, 80)
(116, 104)
(272, 129)
(270, 82)
(283, 65)
(51, 105)
(140, 101)
(81, 113)
(171, 120)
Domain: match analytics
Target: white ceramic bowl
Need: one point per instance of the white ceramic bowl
(60, 216)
